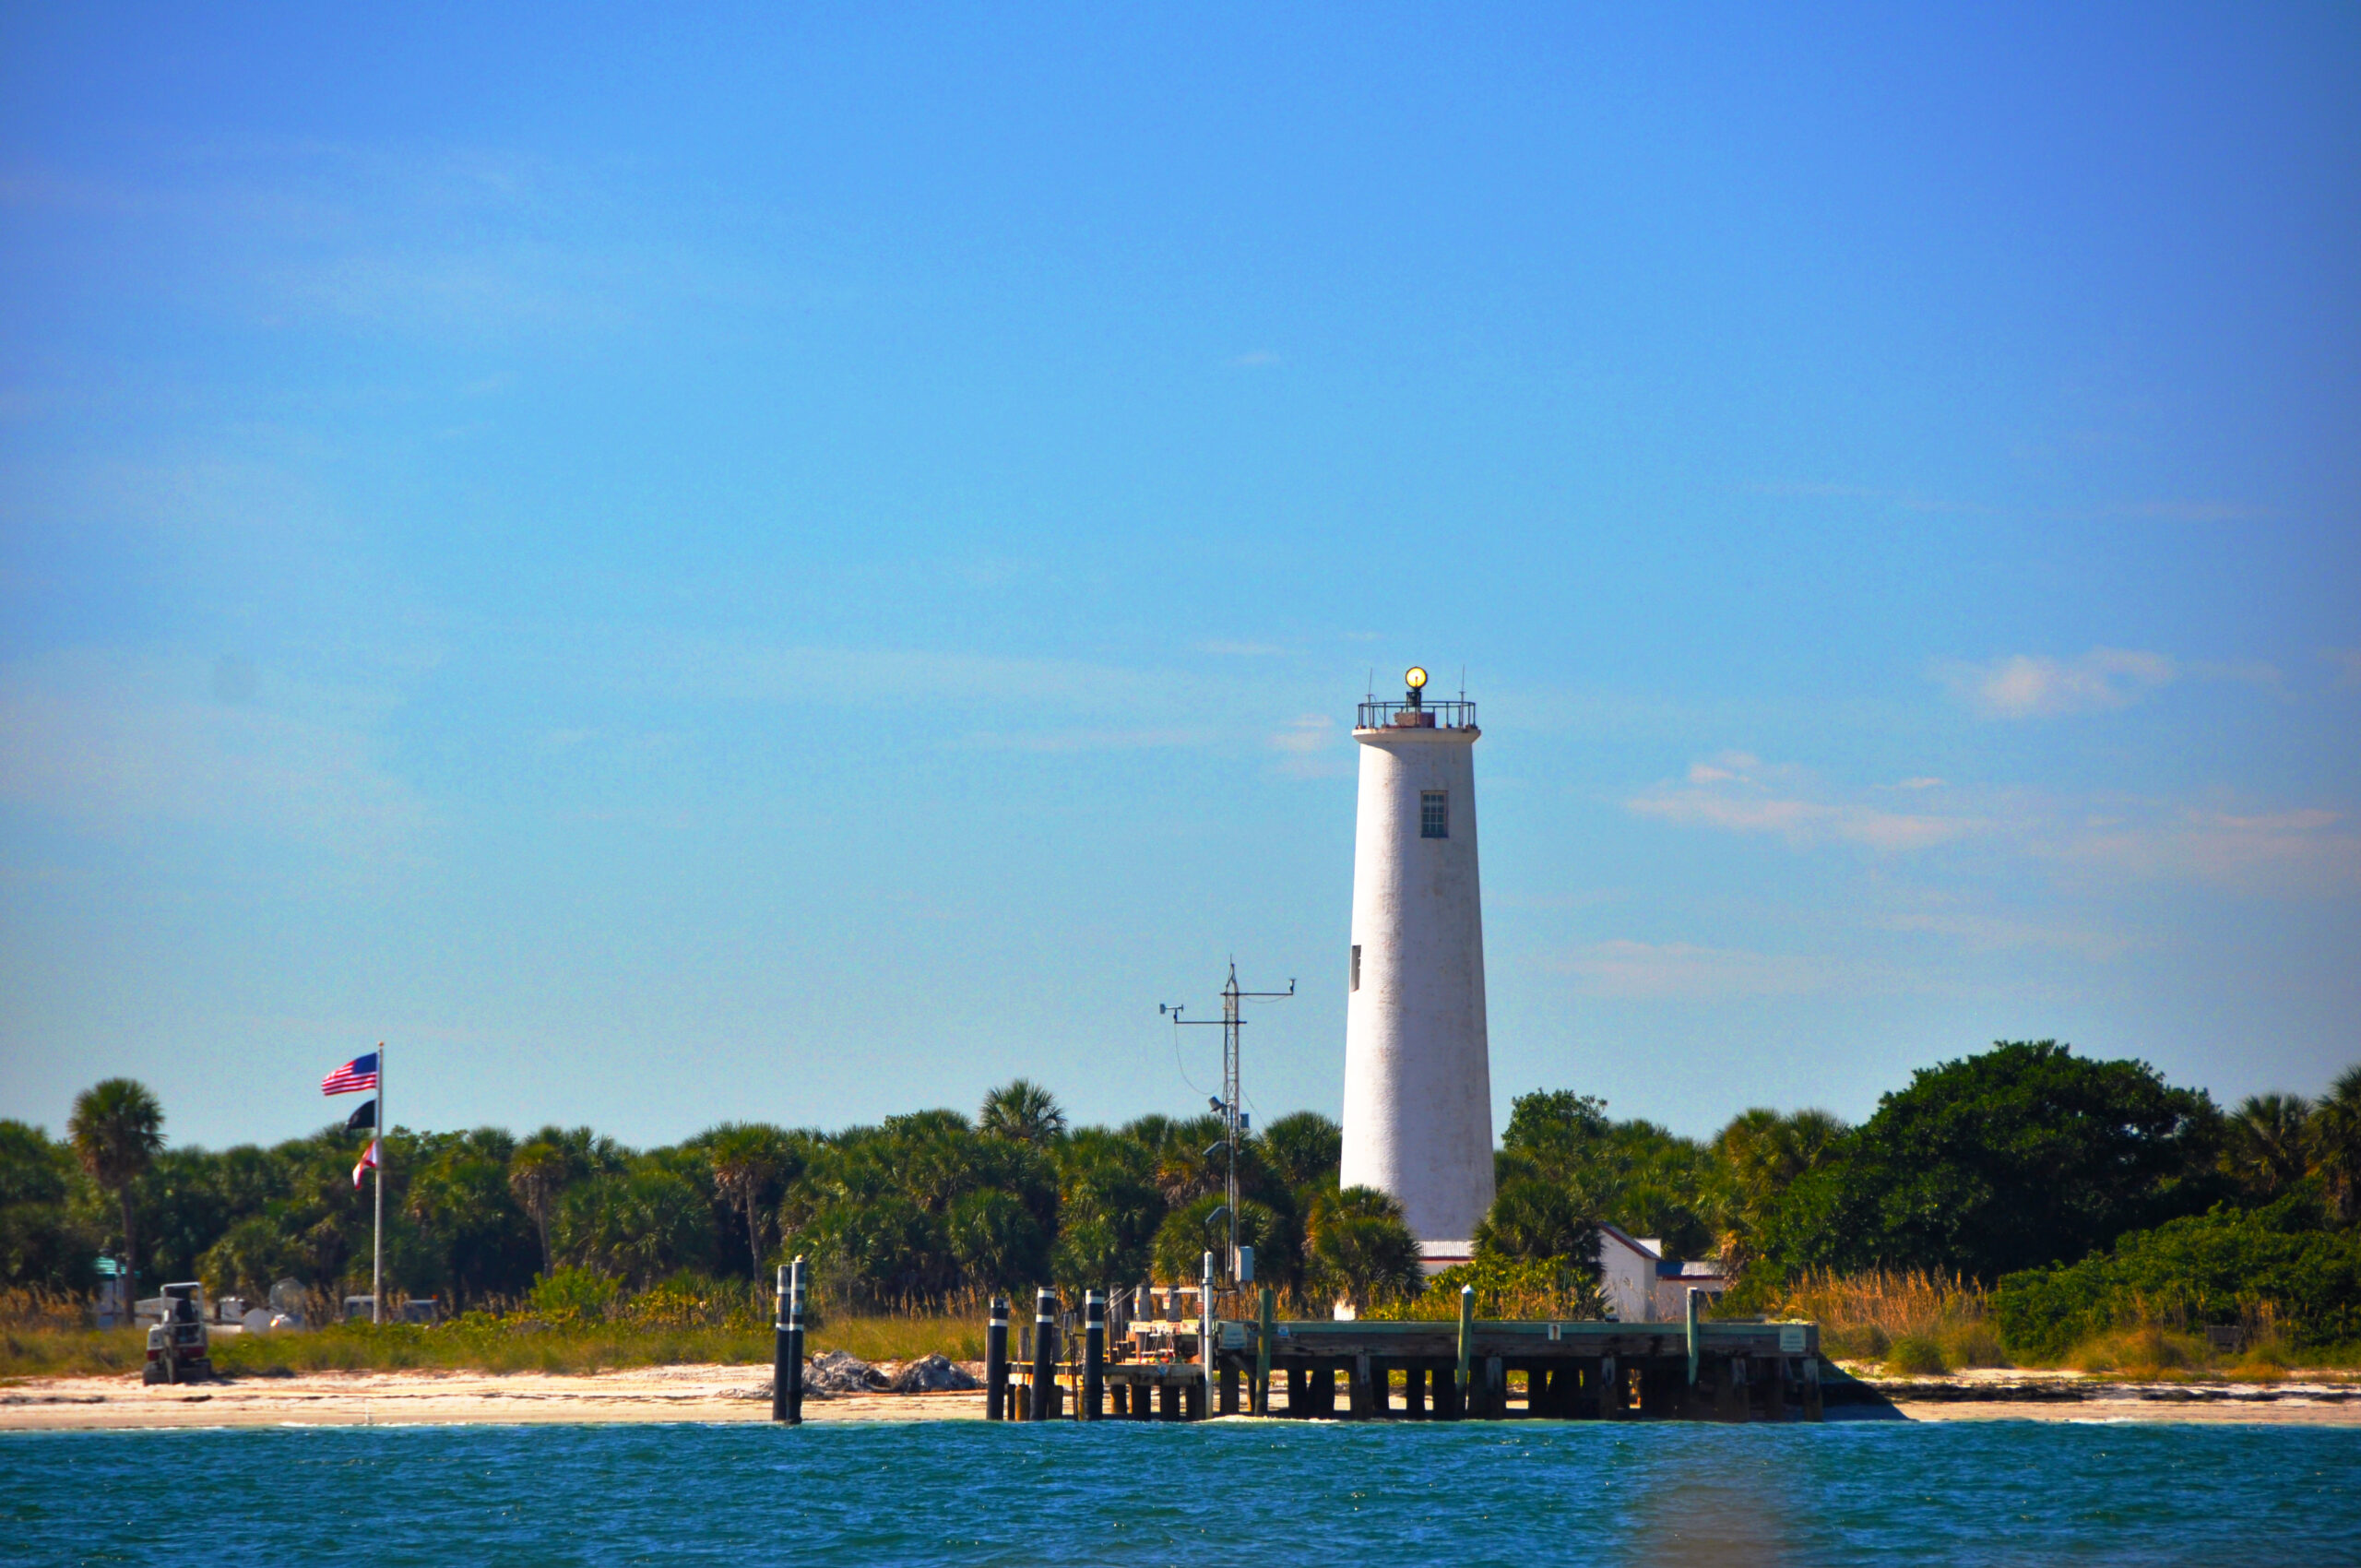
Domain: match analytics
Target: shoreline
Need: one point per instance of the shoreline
(741, 1393)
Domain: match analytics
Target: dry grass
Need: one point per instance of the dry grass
(1914, 1322)
(481, 1343)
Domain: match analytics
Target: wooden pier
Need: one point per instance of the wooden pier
(1157, 1368)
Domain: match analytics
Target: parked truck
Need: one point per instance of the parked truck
(180, 1347)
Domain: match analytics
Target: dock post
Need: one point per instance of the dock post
(786, 1351)
(1496, 1390)
(1322, 1403)
(1467, 1346)
(996, 1362)
(1610, 1390)
(1045, 1355)
(1811, 1388)
(1094, 1357)
(1299, 1390)
(1356, 1390)
(1207, 1332)
(1695, 1297)
(1259, 1397)
(1414, 1390)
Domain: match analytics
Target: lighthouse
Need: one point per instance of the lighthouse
(1417, 1065)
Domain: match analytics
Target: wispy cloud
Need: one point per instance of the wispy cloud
(2346, 662)
(2303, 851)
(1243, 649)
(1658, 971)
(1992, 933)
(1310, 742)
(1738, 792)
(1257, 357)
(1068, 741)
(2035, 686)
(114, 743)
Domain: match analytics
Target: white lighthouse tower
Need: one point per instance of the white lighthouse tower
(1417, 1065)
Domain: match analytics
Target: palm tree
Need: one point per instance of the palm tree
(746, 1158)
(117, 1131)
(1362, 1249)
(535, 1172)
(1024, 1111)
(2267, 1142)
(2336, 1142)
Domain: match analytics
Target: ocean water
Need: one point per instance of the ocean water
(1145, 1495)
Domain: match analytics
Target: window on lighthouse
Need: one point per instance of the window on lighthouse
(1434, 814)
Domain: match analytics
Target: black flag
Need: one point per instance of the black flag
(362, 1119)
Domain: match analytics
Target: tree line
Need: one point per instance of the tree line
(2025, 1157)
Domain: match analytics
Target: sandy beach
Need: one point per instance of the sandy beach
(741, 1394)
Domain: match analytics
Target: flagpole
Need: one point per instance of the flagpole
(377, 1264)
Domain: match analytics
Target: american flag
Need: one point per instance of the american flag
(359, 1073)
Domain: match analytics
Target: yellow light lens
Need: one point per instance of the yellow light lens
(1416, 677)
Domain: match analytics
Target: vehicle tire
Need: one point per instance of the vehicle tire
(152, 1372)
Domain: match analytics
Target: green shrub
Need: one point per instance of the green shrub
(574, 1293)
(1972, 1345)
(1914, 1355)
(2220, 1267)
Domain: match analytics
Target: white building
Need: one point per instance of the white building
(1644, 1286)
(1417, 1065)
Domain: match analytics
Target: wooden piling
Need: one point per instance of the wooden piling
(1265, 1330)
(996, 1362)
(1228, 1391)
(1322, 1404)
(1299, 1390)
(1466, 1343)
(1045, 1355)
(1496, 1390)
(1811, 1388)
(1094, 1357)
(1610, 1390)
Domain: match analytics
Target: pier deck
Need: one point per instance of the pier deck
(1479, 1370)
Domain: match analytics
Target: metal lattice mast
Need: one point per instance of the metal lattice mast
(1233, 1024)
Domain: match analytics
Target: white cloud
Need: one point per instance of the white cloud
(2031, 686)
(1257, 357)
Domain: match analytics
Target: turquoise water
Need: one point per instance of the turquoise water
(1524, 1494)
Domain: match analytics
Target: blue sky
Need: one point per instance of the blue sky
(801, 566)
